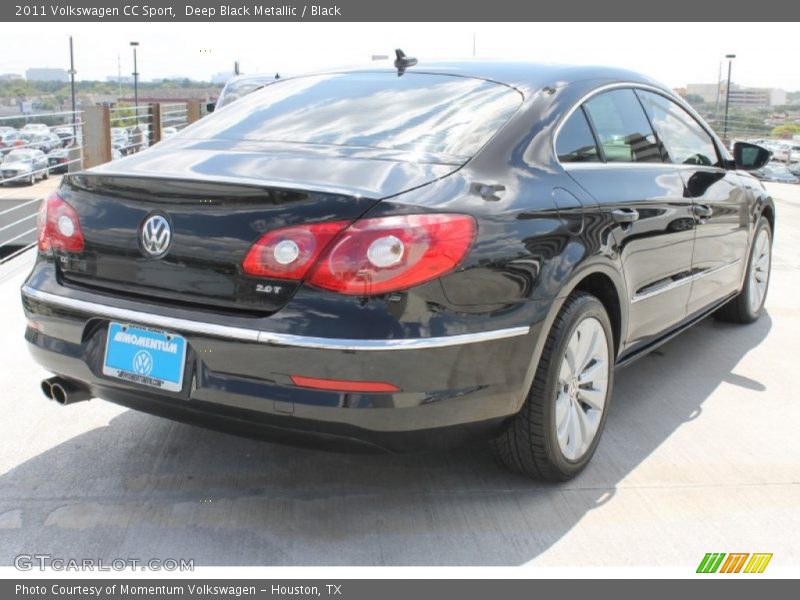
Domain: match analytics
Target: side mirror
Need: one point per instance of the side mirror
(210, 106)
(749, 157)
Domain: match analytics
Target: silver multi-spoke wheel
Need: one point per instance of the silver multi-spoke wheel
(582, 388)
(759, 270)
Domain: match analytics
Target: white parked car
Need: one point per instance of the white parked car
(36, 128)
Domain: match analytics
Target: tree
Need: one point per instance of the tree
(786, 130)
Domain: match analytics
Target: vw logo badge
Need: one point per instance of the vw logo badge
(142, 362)
(156, 236)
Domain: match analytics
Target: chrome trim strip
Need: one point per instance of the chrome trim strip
(266, 337)
(578, 166)
(676, 284)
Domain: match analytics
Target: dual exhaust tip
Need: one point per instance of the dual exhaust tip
(64, 391)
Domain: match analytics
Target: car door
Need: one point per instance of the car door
(721, 202)
(643, 199)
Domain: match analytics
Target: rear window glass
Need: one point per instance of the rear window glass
(417, 112)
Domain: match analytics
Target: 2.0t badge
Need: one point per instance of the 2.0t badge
(156, 236)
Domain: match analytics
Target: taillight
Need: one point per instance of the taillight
(376, 256)
(371, 256)
(290, 252)
(58, 226)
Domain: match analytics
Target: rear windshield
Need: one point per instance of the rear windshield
(417, 112)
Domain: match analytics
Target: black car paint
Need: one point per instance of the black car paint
(543, 231)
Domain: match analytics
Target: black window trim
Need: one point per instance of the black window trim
(633, 85)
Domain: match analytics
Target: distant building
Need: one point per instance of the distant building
(46, 75)
(707, 91)
(744, 97)
(10, 76)
(740, 96)
(118, 79)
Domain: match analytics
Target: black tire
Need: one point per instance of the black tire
(739, 309)
(529, 444)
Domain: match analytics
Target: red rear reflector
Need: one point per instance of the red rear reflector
(58, 226)
(343, 385)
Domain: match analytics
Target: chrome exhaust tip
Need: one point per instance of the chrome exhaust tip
(65, 391)
(47, 388)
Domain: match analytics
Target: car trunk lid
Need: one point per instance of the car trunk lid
(217, 203)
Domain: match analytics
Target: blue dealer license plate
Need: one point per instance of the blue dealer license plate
(146, 356)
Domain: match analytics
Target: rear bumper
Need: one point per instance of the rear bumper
(238, 378)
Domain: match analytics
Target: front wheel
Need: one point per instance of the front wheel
(557, 431)
(748, 304)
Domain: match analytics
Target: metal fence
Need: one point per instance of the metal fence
(744, 127)
(33, 148)
(37, 148)
(130, 130)
(174, 117)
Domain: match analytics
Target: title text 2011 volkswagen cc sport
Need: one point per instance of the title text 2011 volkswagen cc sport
(401, 259)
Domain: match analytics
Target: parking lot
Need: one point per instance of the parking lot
(701, 454)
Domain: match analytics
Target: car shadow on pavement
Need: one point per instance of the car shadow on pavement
(144, 487)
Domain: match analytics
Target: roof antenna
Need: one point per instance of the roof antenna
(402, 62)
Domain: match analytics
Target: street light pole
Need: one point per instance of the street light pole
(730, 58)
(135, 84)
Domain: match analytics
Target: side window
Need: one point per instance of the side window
(575, 141)
(685, 141)
(624, 133)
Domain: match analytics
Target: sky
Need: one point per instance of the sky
(674, 53)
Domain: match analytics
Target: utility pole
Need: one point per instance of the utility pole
(135, 84)
(72, 73)
(119, 77)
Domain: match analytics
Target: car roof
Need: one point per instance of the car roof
(523, 75)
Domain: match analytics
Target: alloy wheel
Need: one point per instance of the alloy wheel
(582, 388)
(759, 270)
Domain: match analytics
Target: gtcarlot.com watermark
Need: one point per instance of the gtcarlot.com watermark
(30, 562)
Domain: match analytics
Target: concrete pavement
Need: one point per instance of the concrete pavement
(701, 453)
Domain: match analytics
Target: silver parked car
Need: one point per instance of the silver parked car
(24, 166)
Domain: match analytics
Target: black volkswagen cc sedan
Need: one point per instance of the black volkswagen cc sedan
(401, 259)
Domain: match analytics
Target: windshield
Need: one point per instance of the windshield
(417, 112)
(19, 155)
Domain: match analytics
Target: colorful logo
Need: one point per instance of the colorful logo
(736, 562)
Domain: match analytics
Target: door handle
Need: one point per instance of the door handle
(625, 215)
(702, 211)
